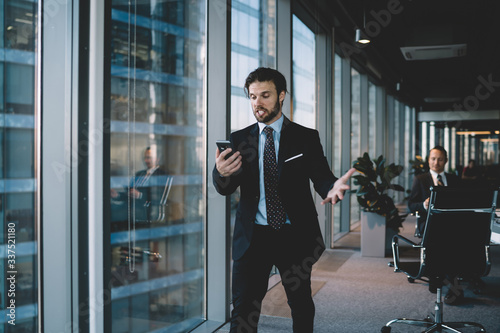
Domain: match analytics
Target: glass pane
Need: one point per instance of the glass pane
(372, 120)
(18, 236)
(248, 52)
(20, 92)
(355, 130)
(157, 162)
(396, 132)
(337, 135)
(1, 83)
(407, 153)
(19, 24)
(304, 74)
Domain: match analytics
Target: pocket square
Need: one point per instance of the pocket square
(293, 157)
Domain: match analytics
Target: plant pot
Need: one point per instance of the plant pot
(376, 239)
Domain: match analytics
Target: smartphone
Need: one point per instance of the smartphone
(223, 145)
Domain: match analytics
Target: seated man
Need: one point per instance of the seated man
(419, 202)
(420, 191)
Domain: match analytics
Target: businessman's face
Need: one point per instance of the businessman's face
(149, 159)
(266, 104)
(437, 160)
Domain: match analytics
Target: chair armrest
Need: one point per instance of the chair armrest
(395, 249)
(406, 240)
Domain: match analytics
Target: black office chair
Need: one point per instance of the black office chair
(455, 243)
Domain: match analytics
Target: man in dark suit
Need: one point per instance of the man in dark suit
(147, 191)
(276, 221)
(420, 191)
(419, 202)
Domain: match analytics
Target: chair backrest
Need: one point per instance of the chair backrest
(457, 230)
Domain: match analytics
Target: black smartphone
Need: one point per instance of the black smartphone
(223, 145)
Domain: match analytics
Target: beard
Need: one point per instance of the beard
(269, 115)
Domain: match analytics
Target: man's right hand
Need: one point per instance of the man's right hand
(426, 204)
(227, 167)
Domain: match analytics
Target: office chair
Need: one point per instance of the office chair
(455, 242)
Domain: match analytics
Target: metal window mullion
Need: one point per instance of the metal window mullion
(96, 166)
(57, 169)
(218, 124)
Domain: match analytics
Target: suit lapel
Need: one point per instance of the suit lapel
(285, 129)
(253, 145)
(429, 183)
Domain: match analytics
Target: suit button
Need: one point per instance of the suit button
(256, 198)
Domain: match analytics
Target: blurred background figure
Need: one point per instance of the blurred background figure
(471, 171)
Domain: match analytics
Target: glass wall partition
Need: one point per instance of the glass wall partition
(304, 74)
(18, 213)
(355, 135)
(157, 158)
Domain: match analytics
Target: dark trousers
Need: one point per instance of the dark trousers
(251, 275)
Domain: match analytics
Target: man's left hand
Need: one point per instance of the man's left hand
(339, 188)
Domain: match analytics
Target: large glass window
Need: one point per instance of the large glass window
(18, 232)
(355, 135)
(250, 48)
(304, 74)
(157, 161)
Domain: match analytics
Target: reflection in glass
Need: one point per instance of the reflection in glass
(304, 74)
(156, 165)
(18, 232)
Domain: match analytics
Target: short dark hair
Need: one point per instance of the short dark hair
(263, 74)
(441, 149)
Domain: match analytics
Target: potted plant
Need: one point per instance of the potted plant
(419, 166)
(374, 183)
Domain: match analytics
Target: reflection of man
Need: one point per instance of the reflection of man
(276, 221)
(148, 189)
(420, 192)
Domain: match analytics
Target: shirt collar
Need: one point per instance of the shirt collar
(276, 126)
(152, 170)
(435, 174)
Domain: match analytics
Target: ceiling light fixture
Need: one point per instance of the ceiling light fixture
(473, 132)
(360, 35)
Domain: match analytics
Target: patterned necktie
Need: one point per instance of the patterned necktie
(440, 180)
(274, 207)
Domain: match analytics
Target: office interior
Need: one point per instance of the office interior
(89, 86)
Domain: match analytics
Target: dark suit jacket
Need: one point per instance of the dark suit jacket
(420, 191)
(152, 188)
(293, 184)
